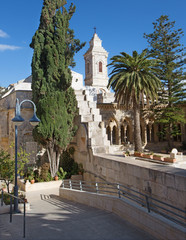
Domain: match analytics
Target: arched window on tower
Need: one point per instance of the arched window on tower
(100, 67)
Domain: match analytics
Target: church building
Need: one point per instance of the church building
(104, 126)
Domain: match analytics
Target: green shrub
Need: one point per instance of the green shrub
(61, 173)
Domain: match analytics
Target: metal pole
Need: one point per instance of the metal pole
(119, 194)
(2, 197)
(147, 202)
(16, 186)
(81, 188)
(70, 183)
(24, 220)
(11, 209)
(96, 187)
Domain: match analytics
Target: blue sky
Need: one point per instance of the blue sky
(120, 24)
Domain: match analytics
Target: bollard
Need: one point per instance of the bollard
(70, 182)
(81, 187)
(97, 188)
(118, 187)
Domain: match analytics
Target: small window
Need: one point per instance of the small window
(100, 67)
(76, 79)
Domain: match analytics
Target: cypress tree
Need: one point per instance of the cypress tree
(54, 48)
(164, 44)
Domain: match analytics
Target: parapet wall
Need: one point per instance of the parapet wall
(162, 182)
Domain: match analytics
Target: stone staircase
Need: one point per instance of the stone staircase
(90, 115)
(116, 148)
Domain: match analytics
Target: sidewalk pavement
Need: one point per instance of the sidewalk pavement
(52, 217)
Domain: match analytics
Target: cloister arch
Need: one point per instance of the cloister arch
(126, 131)
(112, 131)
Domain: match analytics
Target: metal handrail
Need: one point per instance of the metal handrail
(24, 213)
(152, 204)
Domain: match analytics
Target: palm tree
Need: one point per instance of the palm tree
(133, 78)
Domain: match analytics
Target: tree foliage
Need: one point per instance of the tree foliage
(7, 165)
(133, 79)
(54, 48)
(164, 44)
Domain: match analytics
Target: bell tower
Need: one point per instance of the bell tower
(96, 74)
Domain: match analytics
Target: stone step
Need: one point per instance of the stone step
(93, 133)
(84, 111)
(89, 98)
(79, 92)
(97, 118)
(86, 118)
(82, 104)
(95, 111)
(92, 104)
(116, 148)
(80, 97)
(100, 149)
(93, 125)
(98, 140)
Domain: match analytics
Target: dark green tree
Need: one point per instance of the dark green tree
(133, 79)
(54, 48)
(164, 44)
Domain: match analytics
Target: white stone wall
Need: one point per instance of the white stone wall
(77, 80)
(95, 54)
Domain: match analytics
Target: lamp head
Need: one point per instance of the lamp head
(17, 120)
(34, 121)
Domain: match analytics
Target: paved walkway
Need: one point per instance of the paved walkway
(51, 217)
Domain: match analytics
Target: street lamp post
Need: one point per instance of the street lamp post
(18, 120)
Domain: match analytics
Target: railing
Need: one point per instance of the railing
(123, 192)
(11, 211)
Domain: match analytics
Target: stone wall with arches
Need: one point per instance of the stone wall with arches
(118, 122)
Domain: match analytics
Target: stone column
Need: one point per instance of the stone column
(119, 134)
(150, 132)
(145, 134)
(125, 133)
(111, 129)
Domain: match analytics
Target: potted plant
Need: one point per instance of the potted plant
(61, 174)
(126, 153)
(56, 178)
(158, 157)
(148, 155)
(31, 178)
(4, 187)
(169, 159)
(138, 154)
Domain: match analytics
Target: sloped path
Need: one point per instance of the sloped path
(51, 217)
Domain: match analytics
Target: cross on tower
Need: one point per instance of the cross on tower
(94, 29)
